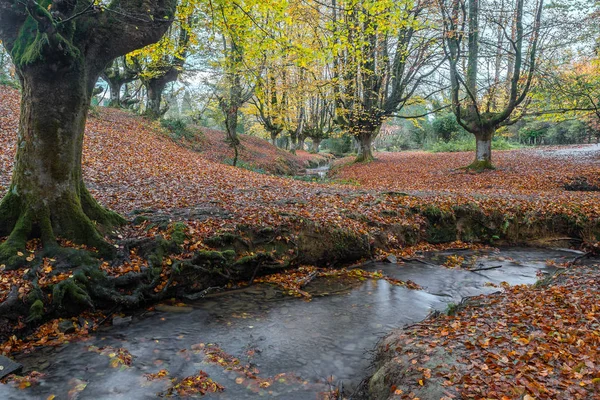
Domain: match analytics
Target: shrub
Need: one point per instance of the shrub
(177, 127)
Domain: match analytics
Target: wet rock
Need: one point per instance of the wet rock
(173, 309)
(8, 366)
(66, 327)
(392, 259)
(120, 321)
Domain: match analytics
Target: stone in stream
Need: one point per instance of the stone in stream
(67, 326)
(8, 366)
(392, 259)
(120, 321)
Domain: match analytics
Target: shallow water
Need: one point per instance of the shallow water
(316, 344)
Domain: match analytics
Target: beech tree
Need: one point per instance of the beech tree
(384, 50)
(116, 74)
(59, 48)
(161, 63)
(492, 52)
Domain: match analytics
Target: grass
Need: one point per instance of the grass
(469, 145)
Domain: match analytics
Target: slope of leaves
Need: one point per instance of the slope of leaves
(535, 343)
(254, 153)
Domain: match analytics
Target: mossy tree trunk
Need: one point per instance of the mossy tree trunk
(47, 196)
(483, 149)
(316, 143)
(58, 64)
(116, 74)
(231, 123)
(365, 131)
(301, 139)
(155, 87)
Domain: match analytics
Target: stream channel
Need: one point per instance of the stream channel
(300, 348)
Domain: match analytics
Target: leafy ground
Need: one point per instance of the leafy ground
(400, 199)
(525, 176)
(254, 153)
(526, 343)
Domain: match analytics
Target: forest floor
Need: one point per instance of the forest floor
(260, 223)
(523, 342)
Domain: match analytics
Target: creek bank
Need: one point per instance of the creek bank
(160, 257)
(515, 343)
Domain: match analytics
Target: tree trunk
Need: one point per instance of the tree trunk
(47, 197)
(274, 135)
(293, 142)
(315, 145)
(300, 145)
(483, 150)
(231, 122)
(115, 94)
(365, 143)
(154, 91)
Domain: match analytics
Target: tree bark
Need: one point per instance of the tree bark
(365, 150)
(231, 122)
(300, 145)
(154, 91)
(483, 150)
(274, 135)
(115, 94)
(315, 145)
(47, 196)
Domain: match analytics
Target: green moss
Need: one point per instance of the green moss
(227, 240)
(36, 311)
(178, 233)
(31, 42)
(97, 213)
(480, 166)
(69, 294)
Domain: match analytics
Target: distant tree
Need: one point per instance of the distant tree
(7, 73)
(384, 50)
(492, 51)
(162, 62)
(116, 74)
(59, 50)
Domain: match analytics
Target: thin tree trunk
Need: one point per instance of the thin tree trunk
(300, 145)
(231, 122)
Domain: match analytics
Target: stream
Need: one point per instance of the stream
(300, 348)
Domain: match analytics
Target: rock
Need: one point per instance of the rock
(392, 259)
(67, 326)
(173, 309)
(8, 366)
(120, 321)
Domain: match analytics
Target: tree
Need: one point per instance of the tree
(6, 69)
(492, 73)
(269, 101)
(116, 74)
(234, 38)
(384, 50)
(162, 62)
(59, 50)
